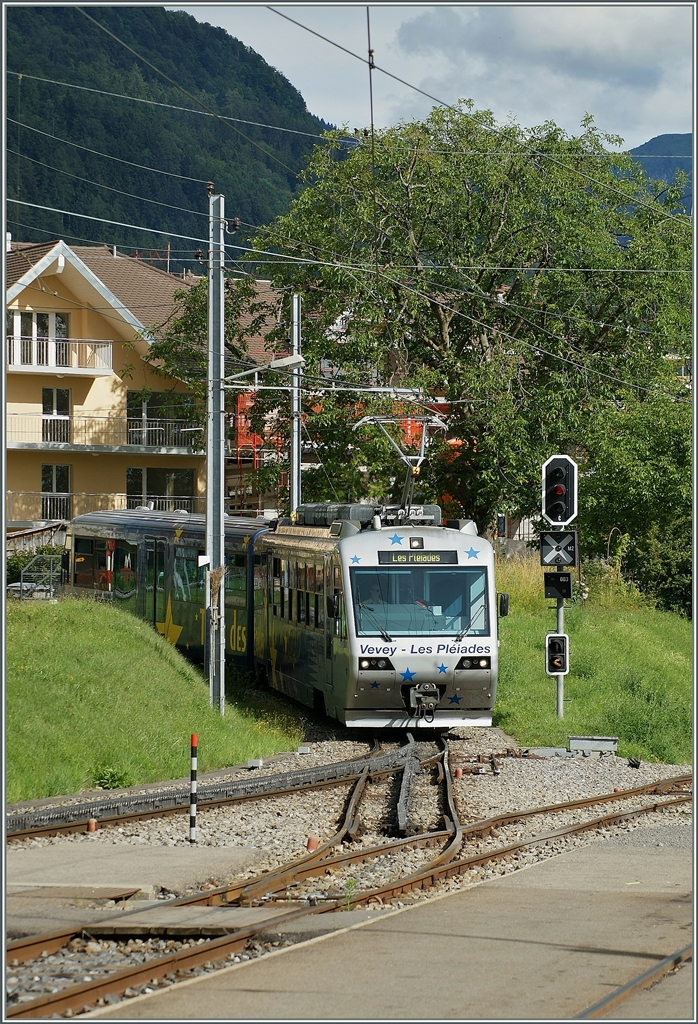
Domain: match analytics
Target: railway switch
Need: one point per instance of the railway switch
(557, 646)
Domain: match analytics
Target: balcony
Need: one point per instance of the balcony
(61, 356)
(25, 509)
(104, 433)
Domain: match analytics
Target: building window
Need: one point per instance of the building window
(167, 489)
(55, 407)
(56, 499)
(166, 419)
(37, 339)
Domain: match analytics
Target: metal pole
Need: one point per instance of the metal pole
(295, 474)
(192, 786)
(215, 456)
(560, 679)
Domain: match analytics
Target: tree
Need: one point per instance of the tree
(532, 278)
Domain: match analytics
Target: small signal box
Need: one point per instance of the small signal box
(558, 585)
(557, 650)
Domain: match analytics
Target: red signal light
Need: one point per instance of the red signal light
(559, 490)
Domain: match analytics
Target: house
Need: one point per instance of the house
(90, 423)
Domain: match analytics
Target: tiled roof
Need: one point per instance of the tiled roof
(23, 257)
(143, 289)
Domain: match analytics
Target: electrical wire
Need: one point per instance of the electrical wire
(171, 106)
(167, 78)
(545, 156)
(95, 152)
(366, 271)
(88, 181)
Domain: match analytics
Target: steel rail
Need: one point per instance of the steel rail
(256, 789)
(75, 996)
(428, 877)
(642, 981)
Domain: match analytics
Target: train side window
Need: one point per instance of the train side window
(83, 563)
(286, 596)
(126, 573)
(337, 577)
(188, 577)
(300, 606)
(302, 576)
(319, 580)
(276, 568)
(284, 573)
(310, 578)
(236, 580)
(293, 575)
(340, 622)
(319, 612)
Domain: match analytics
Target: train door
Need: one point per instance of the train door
(155, 552)
(338, 638)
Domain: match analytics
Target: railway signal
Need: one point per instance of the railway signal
(559, 504)
(557, 654)
(559, 548)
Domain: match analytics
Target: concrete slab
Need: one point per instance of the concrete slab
(661, 1001)
(539, 945)
(148, 867)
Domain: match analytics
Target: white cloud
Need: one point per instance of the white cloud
(628, 65)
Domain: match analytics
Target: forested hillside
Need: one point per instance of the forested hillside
(664, 155)
(59, 43)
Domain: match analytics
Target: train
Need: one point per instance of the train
(375, 616)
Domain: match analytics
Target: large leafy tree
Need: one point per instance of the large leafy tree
(532, 279)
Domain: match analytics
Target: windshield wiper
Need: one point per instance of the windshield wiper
(376, 623)
(465, 631)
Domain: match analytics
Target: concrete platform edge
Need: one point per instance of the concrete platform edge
(101, 1010)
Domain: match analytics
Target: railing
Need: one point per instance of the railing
(41, 576)
(50, 354)
(38, 506)
(35, 428)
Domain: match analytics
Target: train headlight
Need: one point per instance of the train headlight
(375, 665)
(471, 663)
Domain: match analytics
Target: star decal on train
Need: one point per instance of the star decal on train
(407, 676)
(168, 629)
(355, 560)
(395, 539)
(472, 553)
(455, 699)
(441, 667)
(375, 686)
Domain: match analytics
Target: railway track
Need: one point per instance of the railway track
(284, 886)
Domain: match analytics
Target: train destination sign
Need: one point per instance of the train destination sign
(559, 548)
(417, 557)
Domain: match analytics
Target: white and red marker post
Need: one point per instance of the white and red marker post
(192, 787)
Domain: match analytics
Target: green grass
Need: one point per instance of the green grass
(96, 697)
(630, 670)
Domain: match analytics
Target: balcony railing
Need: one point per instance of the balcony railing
(38, 506)
(60, 355)
(112, 431)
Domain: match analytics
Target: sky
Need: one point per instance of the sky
(628, 65)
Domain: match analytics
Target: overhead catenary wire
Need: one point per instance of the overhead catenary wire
(534, 152)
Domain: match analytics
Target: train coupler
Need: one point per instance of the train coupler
(423, 700)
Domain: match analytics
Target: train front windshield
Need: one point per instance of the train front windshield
(420, 600)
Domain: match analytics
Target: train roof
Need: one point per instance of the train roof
(144, 518)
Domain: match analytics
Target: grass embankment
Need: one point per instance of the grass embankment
(96, 697)
(630, 669)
